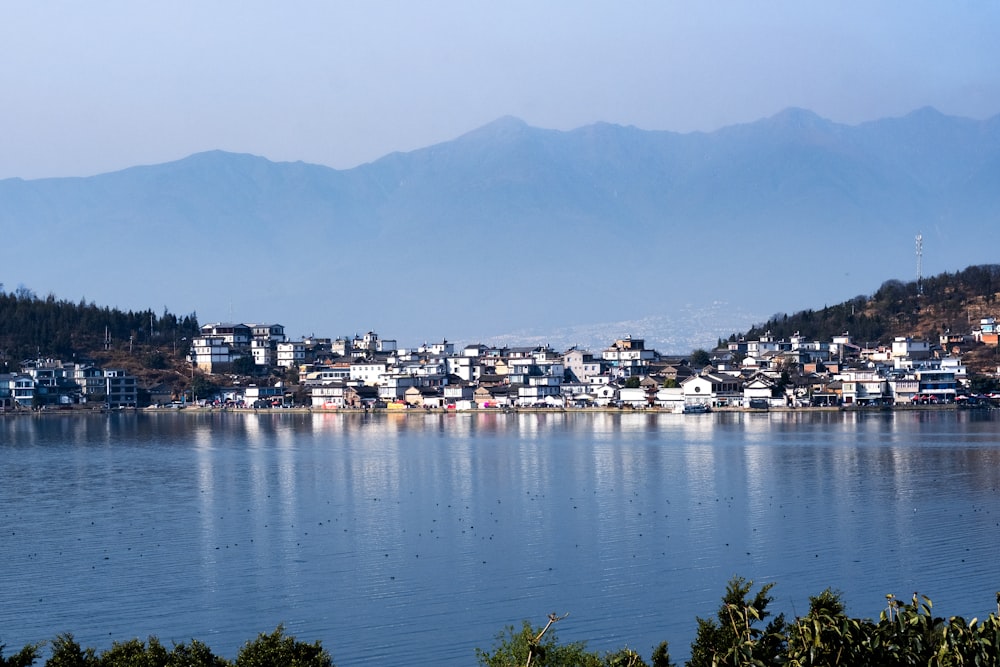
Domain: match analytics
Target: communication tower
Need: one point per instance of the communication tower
(920, 261)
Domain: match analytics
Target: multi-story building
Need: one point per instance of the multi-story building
(267, 332)
(290, 353)
(222, 343)
(863, 386)
(265, 352)
(6, 393)
(235, 335)
(90, 379)
(367, 372)
(906, 351)
(628, 356)
(120, 389)
(539, 390)
(22, 387)
(582, 365)
(938, 383)
(465, 367)
(328, 396)
(393, 386)
(213, 354)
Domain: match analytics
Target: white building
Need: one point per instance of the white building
(465, 367)
(265, 352)
(213, 354)
(367, 372)
(236, 335)
(265, 332)
(290, 354)
(329, 396)
(863, 387)
(906, 350)
(712, 389)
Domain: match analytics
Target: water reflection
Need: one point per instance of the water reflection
(384, 531)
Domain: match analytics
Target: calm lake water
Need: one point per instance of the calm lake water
(413, 539)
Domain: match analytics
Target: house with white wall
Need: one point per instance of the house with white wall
(635, 397)
(863, 386)
(759, 387)
(712, 389)
(327, 396)
(290, 354)
(367, 372)
(393, 386)
(455, 393)
(465, 367)
(267, 332)
(670, 398)
(213, 354)
(539, 389)
(905, 351)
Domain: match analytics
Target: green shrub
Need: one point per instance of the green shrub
(278, 650)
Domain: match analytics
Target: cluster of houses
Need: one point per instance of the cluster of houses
(373, 372)
(44, 383)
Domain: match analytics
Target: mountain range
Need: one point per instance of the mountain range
(512, 233)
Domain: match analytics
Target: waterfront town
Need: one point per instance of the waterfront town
(257, 367)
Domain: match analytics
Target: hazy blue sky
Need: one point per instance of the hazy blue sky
(94, 87)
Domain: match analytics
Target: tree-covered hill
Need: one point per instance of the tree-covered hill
(946, 303)
(33, 327)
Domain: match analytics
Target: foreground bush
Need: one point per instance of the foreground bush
(538, 647)
(267, 650)
(742, 634)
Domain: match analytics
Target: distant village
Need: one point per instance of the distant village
(370, 372)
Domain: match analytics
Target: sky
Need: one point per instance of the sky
(89, 88)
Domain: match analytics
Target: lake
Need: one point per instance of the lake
(412, 539)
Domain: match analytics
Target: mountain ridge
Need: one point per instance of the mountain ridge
(510, 226)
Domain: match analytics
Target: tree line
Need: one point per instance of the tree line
(48, 327)
(742, 634)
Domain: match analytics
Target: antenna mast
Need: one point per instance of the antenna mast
(920, 261)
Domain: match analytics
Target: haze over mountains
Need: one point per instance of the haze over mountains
(513, 233)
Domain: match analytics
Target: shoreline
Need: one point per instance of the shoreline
(189, 410)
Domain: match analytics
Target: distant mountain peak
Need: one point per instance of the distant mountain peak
(506, 123)
(796, 117)
(926, 112)
(500, 129)
(218, 156)
(929, 117)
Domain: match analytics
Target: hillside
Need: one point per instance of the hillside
(152, 347)
(946, 303)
